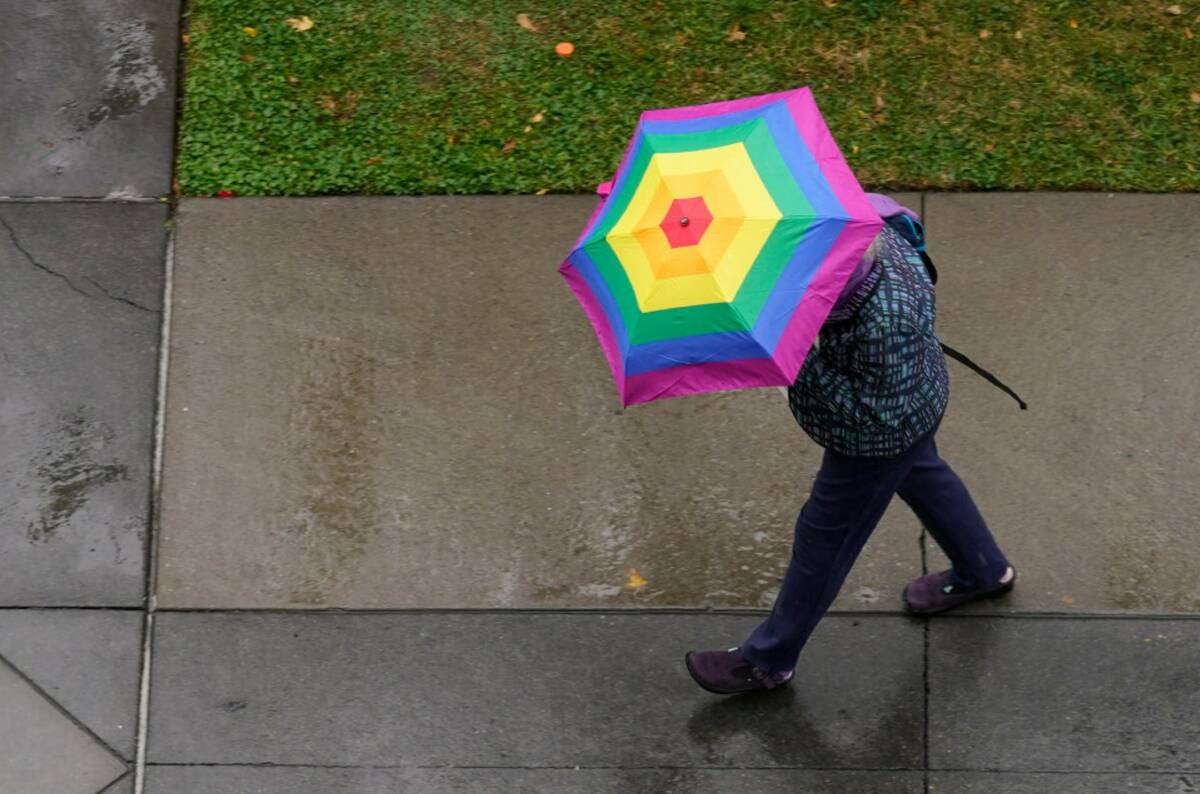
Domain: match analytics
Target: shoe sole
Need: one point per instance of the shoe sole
(687, 661)
(1002, 590)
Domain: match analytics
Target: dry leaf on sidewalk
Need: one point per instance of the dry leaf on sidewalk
(300, 23)
(524, 21)
(635, 579)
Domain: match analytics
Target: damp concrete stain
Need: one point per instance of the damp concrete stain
(68, 473)
(1149, 571)
(335, 428)
(130, 79)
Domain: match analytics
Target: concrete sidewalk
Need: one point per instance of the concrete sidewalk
(383, 527)
(392, 405)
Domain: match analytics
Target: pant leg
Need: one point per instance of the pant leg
(848, 499)
(941, 500)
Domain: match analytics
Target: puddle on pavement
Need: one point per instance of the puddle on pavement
(68, 472)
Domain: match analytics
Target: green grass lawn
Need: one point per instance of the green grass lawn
(446, 96)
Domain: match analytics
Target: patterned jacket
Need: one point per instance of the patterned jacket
(877, 380)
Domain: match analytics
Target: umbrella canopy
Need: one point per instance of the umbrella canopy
(726, 239)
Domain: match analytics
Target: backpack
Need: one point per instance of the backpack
(914, 233)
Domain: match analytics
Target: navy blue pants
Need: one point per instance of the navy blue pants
(848, 499)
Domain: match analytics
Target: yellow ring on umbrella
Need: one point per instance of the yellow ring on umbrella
(744, 215)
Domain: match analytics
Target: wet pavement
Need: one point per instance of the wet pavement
(392, 405)
(451, 434)
(404, 539)
(88, 92)
(79, 328)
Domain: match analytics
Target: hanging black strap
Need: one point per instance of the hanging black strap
(983, 373)
(914, 232)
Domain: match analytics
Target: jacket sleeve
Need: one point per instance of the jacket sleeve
(873, 391)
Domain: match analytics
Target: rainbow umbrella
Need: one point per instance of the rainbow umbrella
(728, 235)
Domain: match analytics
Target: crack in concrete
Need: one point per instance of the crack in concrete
(12, 236)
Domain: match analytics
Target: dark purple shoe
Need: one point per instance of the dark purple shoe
(728, 673)
(936, 592)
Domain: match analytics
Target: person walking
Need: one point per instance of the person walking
(872, 392)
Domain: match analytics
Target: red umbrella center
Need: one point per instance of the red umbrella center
(686, 221)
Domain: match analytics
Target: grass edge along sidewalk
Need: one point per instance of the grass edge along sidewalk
(439, 96)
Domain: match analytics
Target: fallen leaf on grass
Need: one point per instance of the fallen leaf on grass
(1188, 34)
(249, 31)
(635, 579)
(528, 128)
(185, 38)
(830, 3)
(300, 23)
(1195, 97)
(542, 192)
(985, 34)
(451, 140)
(989, 147)
(509, 146)
(373, 160)
(342, 107)
(1018, 35)
(524, 21)
(293, 79)
(1174, 10)
(736, 33)
(538, 118)
(247, 57)
(1074, 23)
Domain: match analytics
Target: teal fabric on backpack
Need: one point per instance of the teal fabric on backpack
(914, 234)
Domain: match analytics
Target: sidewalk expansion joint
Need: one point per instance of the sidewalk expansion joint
(537, 767)
(62, 710)
(646, 611)
(113, 785)
(155, 511)
(925, 707)
(12, 236)
(1182, 775)
(114, 199)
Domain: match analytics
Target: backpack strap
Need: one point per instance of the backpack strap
(913, 232)
(983, 373)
